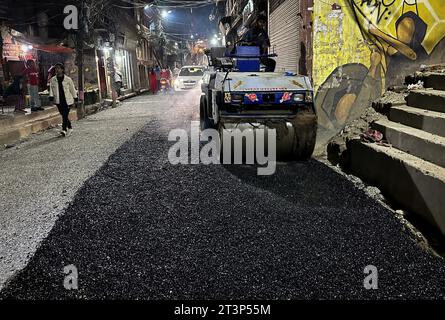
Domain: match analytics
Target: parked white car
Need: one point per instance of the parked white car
(189, 78)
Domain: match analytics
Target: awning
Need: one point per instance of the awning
(53, 48)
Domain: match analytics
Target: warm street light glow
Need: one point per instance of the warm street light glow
(26, 47)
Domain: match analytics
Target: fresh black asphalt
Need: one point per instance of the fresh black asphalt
(142, 228)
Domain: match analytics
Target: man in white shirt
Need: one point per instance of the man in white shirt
(64, 95)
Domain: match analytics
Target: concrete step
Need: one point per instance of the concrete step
(18, 132)
(435, 80)
(433, 100)
(431, 79)
(415, 184)
(429, 121)
(22, 119)
(422, 144)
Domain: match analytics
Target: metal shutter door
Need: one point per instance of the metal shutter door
(284, 34)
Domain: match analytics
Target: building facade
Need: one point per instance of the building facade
(116, 38)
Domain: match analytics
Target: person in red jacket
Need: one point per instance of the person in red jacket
(31, 75)
(166, 74)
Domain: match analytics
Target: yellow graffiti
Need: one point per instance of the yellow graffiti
(368, 45)
(379, 19)
(295, 82)
(239, 83)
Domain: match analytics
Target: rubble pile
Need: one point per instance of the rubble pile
(427, 76)
(337, 150)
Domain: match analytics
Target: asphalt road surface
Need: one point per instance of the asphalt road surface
(142, 228)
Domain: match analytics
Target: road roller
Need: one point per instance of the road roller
(238, 95)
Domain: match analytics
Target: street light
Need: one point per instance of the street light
(165, 13)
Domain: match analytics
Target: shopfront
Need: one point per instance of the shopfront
(284, 33)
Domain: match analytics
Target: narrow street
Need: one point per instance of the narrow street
(108, 201)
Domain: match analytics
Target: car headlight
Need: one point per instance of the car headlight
(299, 97)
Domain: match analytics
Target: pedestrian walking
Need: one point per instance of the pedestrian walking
(158, 76)
(64, 95)
(153, 82)
(31, 77)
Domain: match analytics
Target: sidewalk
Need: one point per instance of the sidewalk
(15, 127)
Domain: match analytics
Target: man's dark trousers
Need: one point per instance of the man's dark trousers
(64, 111)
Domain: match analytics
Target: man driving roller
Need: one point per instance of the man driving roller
(257, 36)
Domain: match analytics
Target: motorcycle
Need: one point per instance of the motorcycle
(164, 85)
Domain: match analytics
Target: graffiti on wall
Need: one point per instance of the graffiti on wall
(400, 35)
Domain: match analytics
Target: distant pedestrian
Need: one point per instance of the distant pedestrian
(64, 95)
(153, 82)
(16, 90)
(118, 81)
(176, 71)
(31, 76)
(158, 76)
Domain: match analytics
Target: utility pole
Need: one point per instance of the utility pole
(80, 38)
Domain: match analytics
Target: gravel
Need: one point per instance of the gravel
(141, 228)
(41, 176)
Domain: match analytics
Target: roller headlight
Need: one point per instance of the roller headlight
(237, 97)
(298, 97)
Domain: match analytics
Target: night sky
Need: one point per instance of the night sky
(182, 21)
